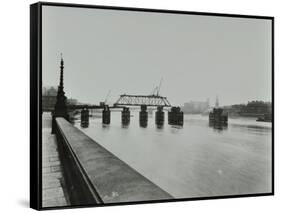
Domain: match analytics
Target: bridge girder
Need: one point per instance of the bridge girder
(138, 100)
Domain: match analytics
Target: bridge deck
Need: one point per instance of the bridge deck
(112, 179)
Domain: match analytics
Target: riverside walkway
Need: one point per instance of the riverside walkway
(53, 184)
(76, 170)
(95, 176)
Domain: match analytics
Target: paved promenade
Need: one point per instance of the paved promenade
(53, 193)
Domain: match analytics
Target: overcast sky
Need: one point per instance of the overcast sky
(198, 57)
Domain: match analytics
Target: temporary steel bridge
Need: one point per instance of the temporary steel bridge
(138, 100)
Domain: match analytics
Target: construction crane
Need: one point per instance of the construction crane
(156, 90)
(105, 100)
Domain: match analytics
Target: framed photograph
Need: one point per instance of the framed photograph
(133, 105)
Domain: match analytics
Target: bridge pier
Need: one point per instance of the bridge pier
(84, 117)
(106, 115)
(143, 116)
(125, 116)
(175, 116)
(159, 116)
(218, 118)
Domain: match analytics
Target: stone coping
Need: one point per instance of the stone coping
(113, 180)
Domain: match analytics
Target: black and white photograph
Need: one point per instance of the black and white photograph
(153, 106)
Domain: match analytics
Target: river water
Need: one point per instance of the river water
(195, 160)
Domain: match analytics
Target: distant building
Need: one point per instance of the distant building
(72, 101)
(252, 109)
(49, 91)
(49, 98)
(195, 107)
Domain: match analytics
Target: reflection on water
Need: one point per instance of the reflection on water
(196, 159)
(218, 126)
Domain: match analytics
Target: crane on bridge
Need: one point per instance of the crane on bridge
(149, 100)
(156, 90)
(106, 98)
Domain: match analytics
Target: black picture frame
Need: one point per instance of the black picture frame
(36, 100)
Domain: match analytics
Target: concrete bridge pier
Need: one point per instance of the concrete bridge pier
(143, 116)
(106, 115)
(84, 118)
(159, 116)
(175, 116)
(125, 116)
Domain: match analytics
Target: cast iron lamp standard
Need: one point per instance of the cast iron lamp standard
(61, 105)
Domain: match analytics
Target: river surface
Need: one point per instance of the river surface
(195, 160)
